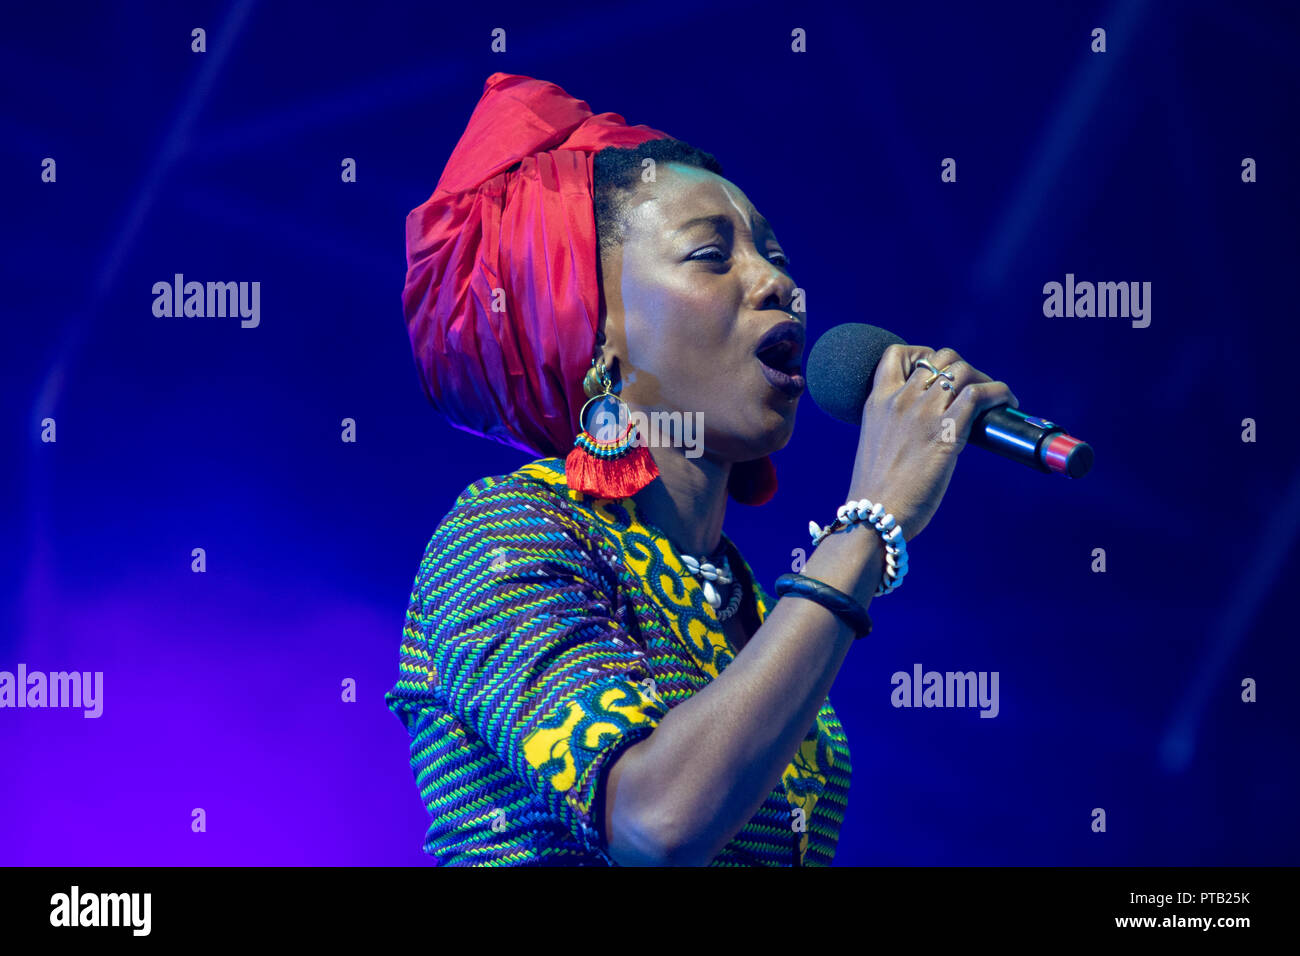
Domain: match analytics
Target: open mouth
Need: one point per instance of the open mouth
(780, 352)
(781, 367)
(783, 356)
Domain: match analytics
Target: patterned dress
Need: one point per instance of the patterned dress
(547, 631)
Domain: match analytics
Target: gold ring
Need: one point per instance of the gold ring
(925, 364)
(941, 371)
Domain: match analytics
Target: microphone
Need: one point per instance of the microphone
(842, 367)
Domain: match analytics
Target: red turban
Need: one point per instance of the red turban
(514, 211)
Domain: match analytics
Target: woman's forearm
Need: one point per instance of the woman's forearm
(714, 758)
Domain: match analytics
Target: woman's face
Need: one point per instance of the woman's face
(699, 290)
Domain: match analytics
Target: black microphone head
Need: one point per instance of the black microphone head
(842, 366)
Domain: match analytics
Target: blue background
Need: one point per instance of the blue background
(1118, 690)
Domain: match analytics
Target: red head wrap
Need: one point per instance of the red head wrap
(513, 211)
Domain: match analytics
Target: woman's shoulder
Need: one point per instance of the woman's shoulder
(533, 500)
(542, 480)
(510, 531)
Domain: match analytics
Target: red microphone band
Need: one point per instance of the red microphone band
(1067, 455)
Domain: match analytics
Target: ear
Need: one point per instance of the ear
(598, 352)
(600, 305)
(599, 345)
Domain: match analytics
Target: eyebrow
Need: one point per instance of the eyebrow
(719, 220)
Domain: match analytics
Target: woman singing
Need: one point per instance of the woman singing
(589, 672)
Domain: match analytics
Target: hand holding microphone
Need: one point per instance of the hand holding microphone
(899, 396)
(902, 459)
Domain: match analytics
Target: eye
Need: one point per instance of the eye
(713, 254)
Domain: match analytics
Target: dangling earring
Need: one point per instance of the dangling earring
(607, 466)
(753, 482)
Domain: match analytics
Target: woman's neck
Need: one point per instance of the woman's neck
(689, 501)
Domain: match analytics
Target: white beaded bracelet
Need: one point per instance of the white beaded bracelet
(891, 534)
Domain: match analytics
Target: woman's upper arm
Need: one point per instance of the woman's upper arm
(627, 839)
(518, 614)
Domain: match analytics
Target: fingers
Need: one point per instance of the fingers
(899, 364)
(896, 364)
(974, 398)
(923, 379)
(958, 374)
(956, 371)
(899, 370)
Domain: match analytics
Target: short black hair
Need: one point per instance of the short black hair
(616, 172)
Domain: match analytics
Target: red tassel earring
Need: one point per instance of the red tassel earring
(753, 482)
(610, 463)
